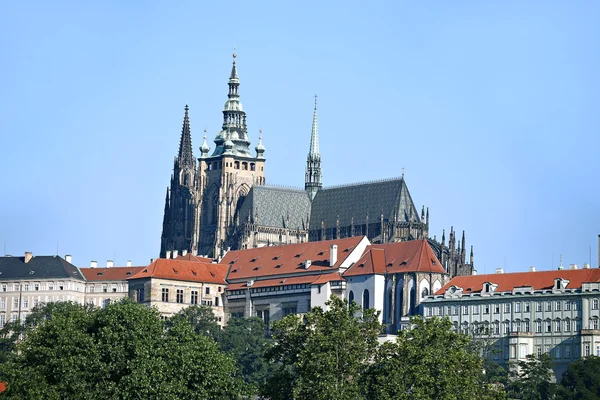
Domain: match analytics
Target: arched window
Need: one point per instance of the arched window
(412, 301)
(424, 293)
(366, 299)
(350, 297)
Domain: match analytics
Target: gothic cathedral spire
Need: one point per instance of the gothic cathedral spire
(312, 183)
(185, 157)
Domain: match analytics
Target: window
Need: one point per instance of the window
(50, 285)
(558, 305)
(465, 328)
(4, 287)
(575, 306)
(36, 286)
(179, 297)
(597, 349)
(207, 291)
(548, 326)
(496, 308)
(114, 288)
(538, 350)
(3, 302)
(424, 293)
(17, 287)
(594, 323)
(496, 328)
(465, 309)
(586, 349)
(2, 320)
(526, 326)
(449, 310)
(92, 288)
(517, 307)
(165, 295)
(568, 306)
(557, 325)
(289, 310)
(549, 306)
(476, 309)
(595, 304)
(26, 302)
(527, 306)
(567, 351)
(15, 317)
(140, 295)
(538, 306)
(506, 327)
(454, 310)
(105, 288)
(538, 326)
(220, 288)
(507, 307)
(26, 287)
(567, 325)
(486, 309)
(366, 300)
(15, 302)
(194, 299)
(439, 309)
(36, 301)
(428, 311)
(216, 301)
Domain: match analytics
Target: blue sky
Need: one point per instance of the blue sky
(491, 108)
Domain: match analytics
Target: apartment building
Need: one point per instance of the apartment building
(107, 284)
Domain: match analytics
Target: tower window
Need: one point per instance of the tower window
(252, 167)
(245, 166)
(236, 165)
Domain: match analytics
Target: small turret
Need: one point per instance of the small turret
(204, 149)
(260, 149)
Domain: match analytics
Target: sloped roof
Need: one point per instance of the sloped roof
(39, 267)
(184, 271)
(409, 256)
(276, 207)
(538, 280)
(295, 280)
(286, 259)
(110, 274)
(190, 257)
(387, 197)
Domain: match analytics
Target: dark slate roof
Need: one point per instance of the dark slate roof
(39, 267)
(276, 207)
(390, 197)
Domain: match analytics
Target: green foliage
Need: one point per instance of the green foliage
(581, 381)
(324, 355)
(201, 318)
(246, 341)
(532, 378)
(429, 361)
(123, 351)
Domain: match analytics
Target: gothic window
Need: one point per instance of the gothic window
(366, 299)
(350, 297)
(424, 293)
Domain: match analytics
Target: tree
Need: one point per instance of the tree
(532, 378)
(324, 355)
(245, 339)
(428, 361)
(201, 318)
(581, 381)
(122, 351)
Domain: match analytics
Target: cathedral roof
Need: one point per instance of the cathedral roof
(276, 207)
(359, 201)
(409, 256)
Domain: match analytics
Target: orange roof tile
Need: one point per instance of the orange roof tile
(109, 274)
(184, 271)
(410, 256)
(287, 259)
(324, 278)
(538, 280)
(190, 257)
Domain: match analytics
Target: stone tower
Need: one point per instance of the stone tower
(313, 179)
(226, 176)
(179, 231)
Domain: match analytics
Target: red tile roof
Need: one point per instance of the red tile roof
(190, 257)
(538, 280)
(410, 256)
(295, 280)
(287, 259)
(109, 274)
(184, 271)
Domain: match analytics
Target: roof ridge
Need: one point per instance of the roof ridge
(363, 183)
(280, 186)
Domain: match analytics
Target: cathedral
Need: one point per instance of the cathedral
(220, 201)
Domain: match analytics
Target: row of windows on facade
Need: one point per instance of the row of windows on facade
(34, 301)
(496, 308)
(265, 314)
(546, 326)
(36, 286)
(236, 165)
(562, 351)
(270, 289)
(179, 297)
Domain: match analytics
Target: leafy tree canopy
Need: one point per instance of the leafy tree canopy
(581, 381)
(532, 378)
(201, 318)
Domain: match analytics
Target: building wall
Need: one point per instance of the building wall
(149, 291)
(563, 323)
(19, 297)
(99, 293)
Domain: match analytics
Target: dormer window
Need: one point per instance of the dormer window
(489, 287)
(560, 283)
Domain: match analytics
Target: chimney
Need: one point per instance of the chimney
(129, 263)
(307, 264)
(474, 272)
(586, 266)
(93, 264)
(175, 253)
(333, 255)
(184, 253)
(152, 260)
(532, 269)
(109, 263)
(573, 266)
(168, 254)
(68, 258)
(28, 256)
(194, 252)
(499, 270)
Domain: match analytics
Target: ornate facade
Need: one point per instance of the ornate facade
(223, 203)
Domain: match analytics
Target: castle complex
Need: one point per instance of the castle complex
(220, 201)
